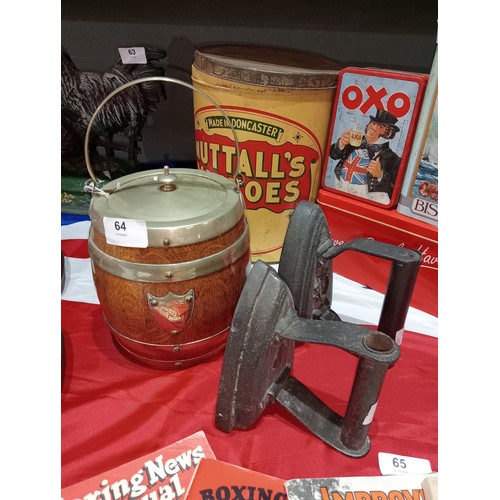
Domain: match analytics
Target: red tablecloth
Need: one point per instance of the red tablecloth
(114, 410)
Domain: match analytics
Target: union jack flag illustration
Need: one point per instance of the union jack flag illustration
(354, 169)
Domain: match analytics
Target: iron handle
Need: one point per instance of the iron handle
(349, 337)
(401, 282)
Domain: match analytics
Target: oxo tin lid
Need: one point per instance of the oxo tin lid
(185, 206)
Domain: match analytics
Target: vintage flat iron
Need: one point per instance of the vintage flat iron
(278, 309)
(306, 267)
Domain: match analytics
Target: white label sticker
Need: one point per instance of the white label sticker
(368, 419)
(398, 464)
(126, 232)
(133, 55)
(399, 336)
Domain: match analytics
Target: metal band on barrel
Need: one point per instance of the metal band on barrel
(167, 273)
(172, 355)
(186, 347)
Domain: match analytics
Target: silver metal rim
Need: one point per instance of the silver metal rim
(183, 232)
(168, 273)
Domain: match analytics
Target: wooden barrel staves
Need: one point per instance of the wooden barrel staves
(169, 251)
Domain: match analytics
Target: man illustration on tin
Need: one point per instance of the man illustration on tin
(367, 166)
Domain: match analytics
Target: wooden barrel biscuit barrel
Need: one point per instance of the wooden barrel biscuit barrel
(169, 251)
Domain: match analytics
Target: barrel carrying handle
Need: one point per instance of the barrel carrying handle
(237, 178)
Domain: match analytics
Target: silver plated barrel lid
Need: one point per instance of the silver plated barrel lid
(178, 205)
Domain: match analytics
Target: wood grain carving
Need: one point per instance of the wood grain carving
(125, 305)
(170, 254)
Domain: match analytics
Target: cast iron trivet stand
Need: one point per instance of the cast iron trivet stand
(266, 325)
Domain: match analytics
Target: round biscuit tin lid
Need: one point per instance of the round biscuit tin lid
(266, 65)
(182, 205)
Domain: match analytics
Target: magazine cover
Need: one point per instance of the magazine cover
(419, 193)
(373, 124)
(166, 473)
(402, 486)
(220, 480)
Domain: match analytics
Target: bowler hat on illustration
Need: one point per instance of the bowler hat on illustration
(385, 118)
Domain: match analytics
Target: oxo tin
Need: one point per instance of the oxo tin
(372, 129)
(279, 102)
